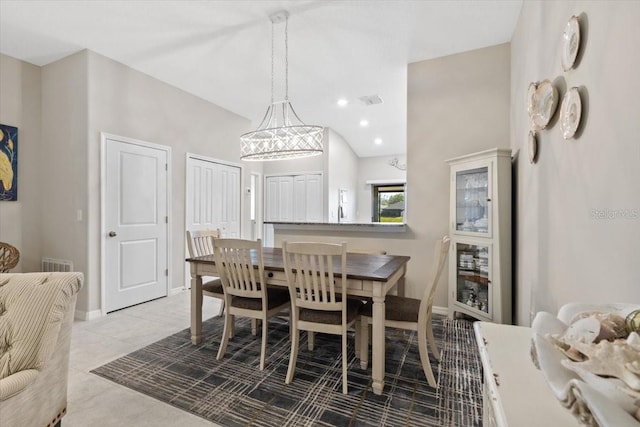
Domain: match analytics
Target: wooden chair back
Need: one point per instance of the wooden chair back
(439, 259)
(311, 275)
(9, 257)
(200, 242)
(236, 262)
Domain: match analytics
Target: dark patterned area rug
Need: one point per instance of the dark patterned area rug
(234, 392)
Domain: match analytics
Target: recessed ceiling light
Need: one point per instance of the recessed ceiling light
(378, 141)
(364, 122)
(342, 102)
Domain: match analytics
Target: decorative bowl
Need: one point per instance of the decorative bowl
(593, 399)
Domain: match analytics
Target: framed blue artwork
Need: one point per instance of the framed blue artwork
(8, 163)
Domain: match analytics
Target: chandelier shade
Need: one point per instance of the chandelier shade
(290, 140)
(282, 134)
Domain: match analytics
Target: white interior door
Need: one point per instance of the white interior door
(212, 199)
(136, 222)
(228, 200)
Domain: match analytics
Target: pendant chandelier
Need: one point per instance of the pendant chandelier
(281, 135)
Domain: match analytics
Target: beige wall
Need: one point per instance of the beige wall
(128, 103)
(565, 252)
(456, 105)
(20, 107)
(82, 95)
(342, 174)
(63, 164)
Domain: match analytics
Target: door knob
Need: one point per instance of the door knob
(112, 234)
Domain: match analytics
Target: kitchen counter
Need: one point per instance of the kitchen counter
(375, 227)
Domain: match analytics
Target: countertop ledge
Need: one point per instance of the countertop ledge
(376, 227)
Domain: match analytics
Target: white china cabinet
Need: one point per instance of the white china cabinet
(480, 230)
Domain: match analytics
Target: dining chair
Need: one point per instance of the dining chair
(319, 300)
(365, 300)
(246, 294)
(200, 242)
(411, 314)
(9, 257)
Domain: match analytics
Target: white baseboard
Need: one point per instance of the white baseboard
(87, 315)
(441, 310)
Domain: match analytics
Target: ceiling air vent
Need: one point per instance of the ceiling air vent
(370, 100)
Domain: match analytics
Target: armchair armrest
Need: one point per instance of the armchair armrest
(15, 383)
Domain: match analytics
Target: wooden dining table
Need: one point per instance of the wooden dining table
(368, 275)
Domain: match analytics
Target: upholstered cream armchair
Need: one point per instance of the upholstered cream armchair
(36, 315)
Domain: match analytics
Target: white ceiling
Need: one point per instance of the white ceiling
(220, 50)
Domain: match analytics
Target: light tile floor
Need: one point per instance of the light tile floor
(95, 401)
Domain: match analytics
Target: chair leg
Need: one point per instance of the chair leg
(432, 341)
(424, 356)
(344, 361)
(293, 356)
(221, 311)
(226, 332)
(263, 349)
(254, 327)
(311, 341)
(364, 343)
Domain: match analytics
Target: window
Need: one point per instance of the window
(388, 203)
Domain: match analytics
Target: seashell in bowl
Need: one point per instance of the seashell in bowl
(585, 330)
(612, 325)
(609, 359)
(583, 372)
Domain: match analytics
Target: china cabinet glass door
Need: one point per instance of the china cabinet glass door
(472, 209)
(473, 282)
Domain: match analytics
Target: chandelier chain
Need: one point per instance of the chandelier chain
(286, 58)
(272, 48)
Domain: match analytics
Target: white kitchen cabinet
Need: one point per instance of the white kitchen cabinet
(480, 230)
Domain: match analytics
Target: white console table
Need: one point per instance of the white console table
(515, 392)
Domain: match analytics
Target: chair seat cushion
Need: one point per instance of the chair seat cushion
(213, 286)
(332, 317)
(401, 309)
(275, 298)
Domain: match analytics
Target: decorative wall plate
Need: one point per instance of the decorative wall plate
(533, 147)
(531, 90)
(570, 113)
(543, 104)
(570, 43)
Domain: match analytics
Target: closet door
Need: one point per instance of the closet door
(314, 198)
(300, 198)
(212, 199)
(228, 206)
(294, 198)
(285, 199)
(271, 199)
